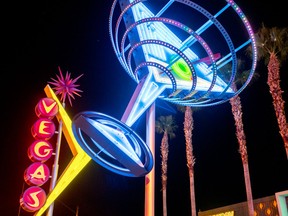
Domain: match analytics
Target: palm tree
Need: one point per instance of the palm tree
(237, 114)
(272, 46)
(236, 107)
(188, 128)
(167, 126)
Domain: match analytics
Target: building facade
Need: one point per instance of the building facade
(275, 205)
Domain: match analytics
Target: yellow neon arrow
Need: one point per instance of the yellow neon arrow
(78, 162)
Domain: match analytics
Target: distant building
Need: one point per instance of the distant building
(275, 205)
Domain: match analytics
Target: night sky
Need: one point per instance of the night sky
(39, 36)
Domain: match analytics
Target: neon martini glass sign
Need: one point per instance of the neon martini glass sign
(164, 67)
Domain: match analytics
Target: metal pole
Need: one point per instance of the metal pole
(55, 166)
(150, 177)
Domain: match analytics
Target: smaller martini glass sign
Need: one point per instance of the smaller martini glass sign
(38, 173)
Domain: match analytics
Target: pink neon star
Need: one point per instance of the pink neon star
(65, 86)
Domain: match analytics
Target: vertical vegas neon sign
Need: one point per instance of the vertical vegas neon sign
(38, 173)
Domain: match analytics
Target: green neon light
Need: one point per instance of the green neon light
(181, 69)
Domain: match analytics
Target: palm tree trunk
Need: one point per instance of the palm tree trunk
(276, 93)
(164, 201)
(164, 155)
(248, 189)
(167, 126)
(237, 114)
(188, 128)
(192, 193)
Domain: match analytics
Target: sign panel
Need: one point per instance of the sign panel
(37, 174)
(46, 108)
(33, 199)
(40, 150)
(43, 128)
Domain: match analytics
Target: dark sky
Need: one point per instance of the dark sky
(39, 36)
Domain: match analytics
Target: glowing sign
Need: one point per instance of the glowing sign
(179, 66)
(156, 49)
(37, 174)
(229, 213)
(33, 199)
(43, 128)
(282, 202)
(46, 108)
(112, 144)
(78, 162)
(40, 150)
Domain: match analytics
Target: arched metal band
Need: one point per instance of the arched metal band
(183, 27)
(214, 21)
(176, 50)
(161, 67)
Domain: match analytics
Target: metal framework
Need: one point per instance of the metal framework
(158, 50)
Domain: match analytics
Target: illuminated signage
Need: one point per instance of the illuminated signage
(46, 108)
(43, 128)
(122, 150)
(33, 199)
(37, 174)
(229, 213)
(106, 126)
(78, 162)
(164, 67)
(40, 150)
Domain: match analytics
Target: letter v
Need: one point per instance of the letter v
(48, 108)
